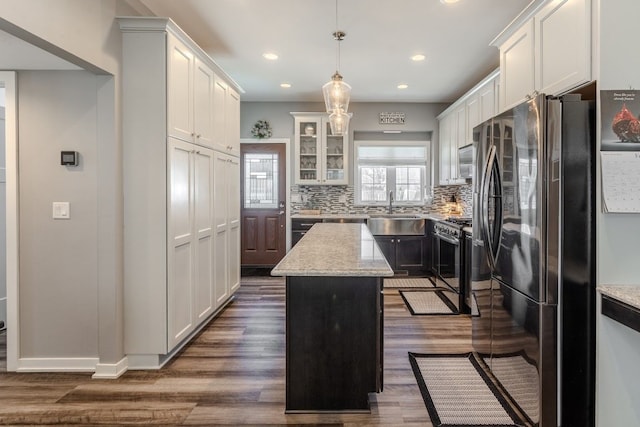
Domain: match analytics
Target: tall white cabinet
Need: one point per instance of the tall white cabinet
(181, 187)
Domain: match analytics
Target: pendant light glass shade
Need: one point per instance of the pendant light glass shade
(336, 94)
(339, 122)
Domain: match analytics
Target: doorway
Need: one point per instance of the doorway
(8, 223)
(263, 204)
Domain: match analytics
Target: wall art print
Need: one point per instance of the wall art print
(620, 120)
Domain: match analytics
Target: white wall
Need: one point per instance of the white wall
(58, 258)
(618, 351)
(71, 298)
(420, 117)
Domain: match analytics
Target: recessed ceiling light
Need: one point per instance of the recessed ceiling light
(403, 86)
(418, 57)
(285, 85)
(448, 1)
(270, 56)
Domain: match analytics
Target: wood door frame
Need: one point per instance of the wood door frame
(287, 145)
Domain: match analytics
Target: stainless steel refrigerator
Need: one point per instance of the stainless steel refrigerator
(533, 274)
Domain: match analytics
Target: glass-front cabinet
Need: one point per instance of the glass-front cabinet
(320, 157)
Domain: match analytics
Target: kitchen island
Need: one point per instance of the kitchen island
(334, 319)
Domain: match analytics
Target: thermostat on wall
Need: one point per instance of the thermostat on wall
(69, 158)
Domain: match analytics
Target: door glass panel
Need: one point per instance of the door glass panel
(260, 181)
(309, 151)
(334, 156)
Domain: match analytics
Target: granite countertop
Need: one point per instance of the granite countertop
(433, 216)
(330, 215)
(335, 249)
(627, 294)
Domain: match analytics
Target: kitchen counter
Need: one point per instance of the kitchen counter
(627, 294)
(355, 216)
(622, 304)
(331, 249)
(333, 352)
(330, 216)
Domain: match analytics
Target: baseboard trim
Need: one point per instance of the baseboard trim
(54, 364)
(111, 371)
(157, 361)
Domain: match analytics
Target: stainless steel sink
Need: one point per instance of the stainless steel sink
(396, 216)
(391, 225)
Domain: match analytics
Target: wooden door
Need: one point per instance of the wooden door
(263, 194)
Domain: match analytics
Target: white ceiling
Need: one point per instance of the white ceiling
(381, 37)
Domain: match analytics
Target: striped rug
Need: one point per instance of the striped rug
(457, 392)
(428, 302)
(408, 282)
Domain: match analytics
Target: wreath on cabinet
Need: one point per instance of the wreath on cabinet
(262, 129)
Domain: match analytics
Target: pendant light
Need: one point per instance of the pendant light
(336, 92)
(339, 122)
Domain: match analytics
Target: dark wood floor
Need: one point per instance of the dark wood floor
(233, 374)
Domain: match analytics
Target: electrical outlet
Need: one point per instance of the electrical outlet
(342, 198)
(296, 198)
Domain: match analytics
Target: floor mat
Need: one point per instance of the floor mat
(428, 302)
(408, 282)
(457, 392)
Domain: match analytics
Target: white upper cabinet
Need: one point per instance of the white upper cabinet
(189, 95)
(180, 89)
(517, 67)
(548, 53)
(444, 147)
(456, 125)
(203, 104)
(226, 118)
(321, 158)
(563, 45)
(232, 122)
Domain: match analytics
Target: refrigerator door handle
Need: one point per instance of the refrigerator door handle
(492, 169)
(497, 197)
(484, 201)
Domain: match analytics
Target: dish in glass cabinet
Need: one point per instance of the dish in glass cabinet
(339, 163)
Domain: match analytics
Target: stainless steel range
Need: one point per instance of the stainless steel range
(449, 257)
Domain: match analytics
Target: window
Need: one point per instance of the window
(386, 166)
(260, 181)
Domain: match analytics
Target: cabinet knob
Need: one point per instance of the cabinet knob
(198, 136)
(193, 134)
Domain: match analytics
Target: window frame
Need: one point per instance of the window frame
(391, 172)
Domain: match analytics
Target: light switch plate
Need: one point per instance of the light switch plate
(61, 210)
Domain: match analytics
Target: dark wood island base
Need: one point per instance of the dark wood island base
(334, 319)
(334, 343)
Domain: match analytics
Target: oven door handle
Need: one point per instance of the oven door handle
(448, 239)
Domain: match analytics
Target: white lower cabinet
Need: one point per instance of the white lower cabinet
(226, 201)
(190, 252)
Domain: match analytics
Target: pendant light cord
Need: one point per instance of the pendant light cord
(338, 40)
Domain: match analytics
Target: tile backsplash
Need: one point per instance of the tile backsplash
(340, 199)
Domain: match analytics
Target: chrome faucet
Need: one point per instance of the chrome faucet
(391, 202)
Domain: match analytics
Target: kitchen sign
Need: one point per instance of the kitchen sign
(391, 118)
